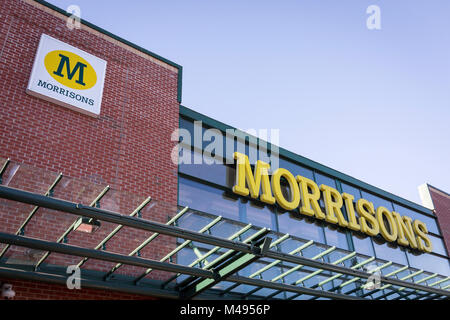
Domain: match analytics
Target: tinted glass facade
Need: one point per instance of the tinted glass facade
(208, 188)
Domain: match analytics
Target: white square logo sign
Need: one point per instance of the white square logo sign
(67, 76)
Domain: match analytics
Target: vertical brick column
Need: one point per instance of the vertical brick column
(127, 147)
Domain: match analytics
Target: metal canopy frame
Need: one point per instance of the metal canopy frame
(232, 257)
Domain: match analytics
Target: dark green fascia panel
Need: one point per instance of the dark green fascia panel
(135, 46)
(189, 113)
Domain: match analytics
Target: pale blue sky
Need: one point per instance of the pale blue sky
(374, 104)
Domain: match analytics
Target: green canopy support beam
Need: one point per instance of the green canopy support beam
(275, 262)
(272, 264)
(338, 275)
(251, 239)
(439, 281)
(357, 288)
(177, 249)
(236, 246)
(145, 242)
(95, 202)
(298, 267)
(346, 283)
(3, 169)
(258, 272)
(21, 229)
(427, 294)
(356, 266)
(422, 280)
(281, 287)
(417, 282)
(227, 268)
(100, 255)
(209, 253)
(388, 275)
(409, 276)
(319, 271)
(226, 256)
(116, 230)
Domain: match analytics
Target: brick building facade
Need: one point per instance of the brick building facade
(439, 202)
(127, 147)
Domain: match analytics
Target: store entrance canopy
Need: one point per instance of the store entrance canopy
(211, 258)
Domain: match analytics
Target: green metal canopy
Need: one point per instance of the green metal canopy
(211, 257)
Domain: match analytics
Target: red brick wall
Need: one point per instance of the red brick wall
(441, 202)
(33, 290)
(127, 147)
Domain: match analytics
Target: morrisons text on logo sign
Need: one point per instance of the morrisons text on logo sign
(67, 76)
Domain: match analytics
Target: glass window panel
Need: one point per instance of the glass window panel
(185, 256)
(316, 279)
(293, 276)
(389, 251)
(188, 125)
(247, 144)
(438, 245)
(351, 190)
(229, 149)
(216, 173)
(296, 225)
(258, 215)
(322, 179)
(347, 288)
(314, 250)
(290, 244)
(193, 220)
(355, 193)
(336, 254)
(207, 199)
(303, 297)
(191, 127)
(377, 201)
(226, 228)
(390, 269)
(377, 294)
(429, 262)
(384, 250)
(429, 221)
(223, 285)
(251, 150)
(363, 244)
(295, 169)
(336, 237)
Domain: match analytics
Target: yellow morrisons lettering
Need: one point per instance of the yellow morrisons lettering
(305, 194)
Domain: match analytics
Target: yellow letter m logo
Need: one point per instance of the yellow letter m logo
(70, 69)
(78, 67)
